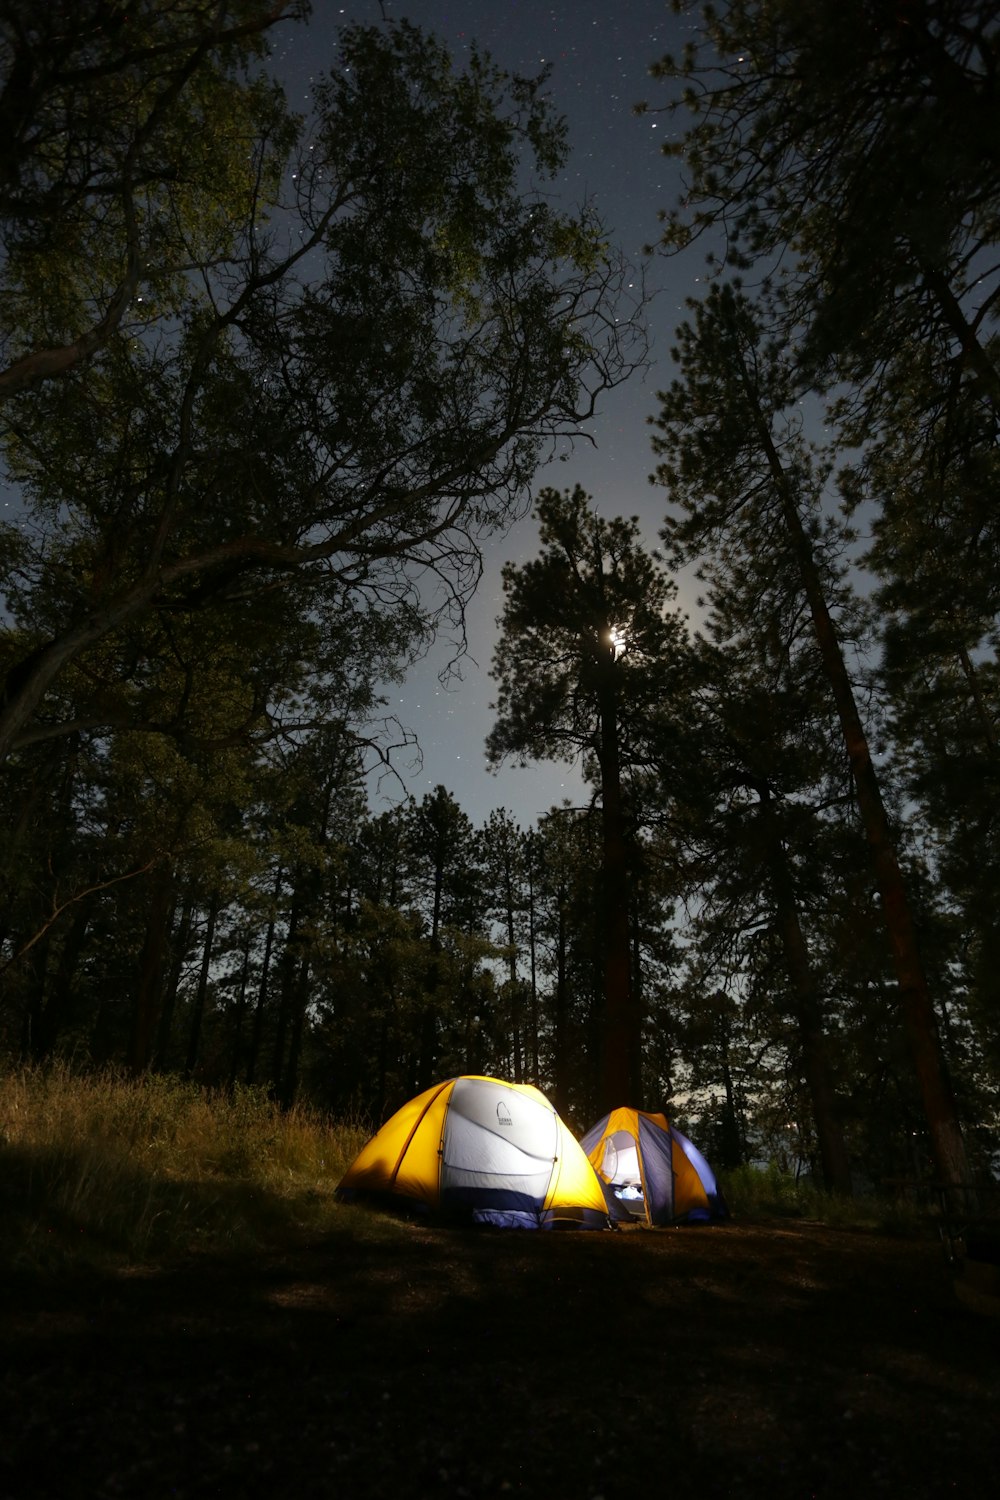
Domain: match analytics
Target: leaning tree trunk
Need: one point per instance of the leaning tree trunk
(919, 1019)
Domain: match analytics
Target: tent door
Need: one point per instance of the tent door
(621, 1169)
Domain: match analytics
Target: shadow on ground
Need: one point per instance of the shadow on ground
(747, 1360)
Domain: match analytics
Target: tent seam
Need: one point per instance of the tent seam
(416, 1126)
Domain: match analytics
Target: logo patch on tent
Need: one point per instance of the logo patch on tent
(503, 1114)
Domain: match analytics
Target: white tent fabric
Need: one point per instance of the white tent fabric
(495, 1138)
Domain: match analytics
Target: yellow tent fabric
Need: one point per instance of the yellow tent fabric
(481, 1149)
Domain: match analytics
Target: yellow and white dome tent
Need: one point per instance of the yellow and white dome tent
(481, 1150)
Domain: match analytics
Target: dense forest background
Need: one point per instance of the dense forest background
(263, 377)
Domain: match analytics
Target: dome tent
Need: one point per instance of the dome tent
(652, 1171)
(481, 1150)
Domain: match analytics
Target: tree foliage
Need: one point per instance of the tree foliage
(839, 160)
(127, 159)
(346, 386)
(854, 144)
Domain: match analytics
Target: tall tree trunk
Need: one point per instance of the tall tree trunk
(198, 1010)
(427, 1054)
(515, 988)
(286, 986)
(35, 967)
(560, 1041)
(27, 807)
(732, 1144)
(238, 1017)
(59, 1007)
(290, 1080)
(635, 926)
(257, 1032)
(533, 959)
(148, 997)
(178, 946)
(982, 712)
(808, 1016)
(622, 1049)
(919, 1020)
(383, 1065)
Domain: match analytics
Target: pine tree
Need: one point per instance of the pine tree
(736, 466)
(590, 640)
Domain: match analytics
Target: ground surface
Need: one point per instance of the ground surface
(751, 1360)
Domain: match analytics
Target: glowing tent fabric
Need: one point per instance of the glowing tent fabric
(485, 1151)
(651, 1170)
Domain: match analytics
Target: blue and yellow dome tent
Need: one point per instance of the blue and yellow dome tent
(484, 1151)
(651, 1170)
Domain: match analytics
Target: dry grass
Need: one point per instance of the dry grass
(101, 1164)
(101, 1167)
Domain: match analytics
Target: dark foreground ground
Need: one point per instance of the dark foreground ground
(751, 1360)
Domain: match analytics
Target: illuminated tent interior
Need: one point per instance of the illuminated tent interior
(652, 1171)
(484, 1151)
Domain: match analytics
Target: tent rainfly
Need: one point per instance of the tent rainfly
(484, 1151)
(651, 1170)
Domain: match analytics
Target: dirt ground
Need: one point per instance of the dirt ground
(771, 1360)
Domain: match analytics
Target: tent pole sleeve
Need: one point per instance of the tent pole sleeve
(416, 1126)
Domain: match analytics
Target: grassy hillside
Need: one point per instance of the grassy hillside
(100, 1168)
(186, 1311)
(103, 1166)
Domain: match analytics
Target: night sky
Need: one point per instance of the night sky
(600, 53)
